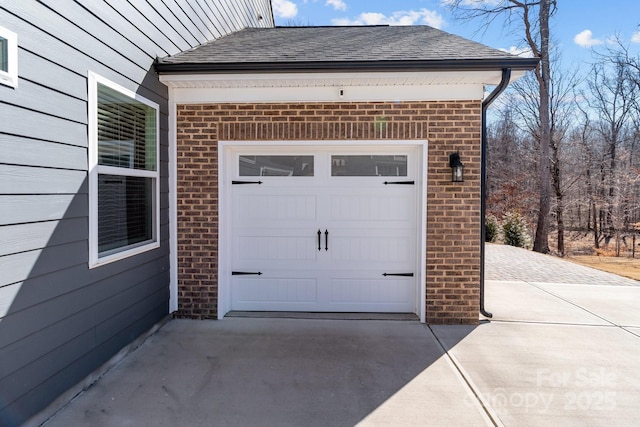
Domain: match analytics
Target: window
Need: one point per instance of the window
(373, 165)
(123, 170)
(8, 58)
(276, 165)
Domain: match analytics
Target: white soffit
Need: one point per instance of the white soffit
(374, 86)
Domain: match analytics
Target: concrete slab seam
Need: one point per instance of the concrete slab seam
(584, 309)
(491, 417)
(541, 322)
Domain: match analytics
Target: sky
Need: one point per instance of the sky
(577, 28)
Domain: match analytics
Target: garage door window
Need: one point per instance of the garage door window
(276, 165)
(369, 165)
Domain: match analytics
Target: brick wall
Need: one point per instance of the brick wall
(453, 209)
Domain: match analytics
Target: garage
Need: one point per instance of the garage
(323, 230)
(301, 178)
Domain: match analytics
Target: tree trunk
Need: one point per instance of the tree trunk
(541, 242)
(557, 187)
(596, 237)
(559, 207)
(560, 220)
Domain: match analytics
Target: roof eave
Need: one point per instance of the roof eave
(521, 64)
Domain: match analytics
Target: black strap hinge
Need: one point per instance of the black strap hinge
(398, 274)
(399, 183)
(246, 182)
(246, 273)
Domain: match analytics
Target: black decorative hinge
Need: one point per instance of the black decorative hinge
(399, 182)
(246, 182)
(398, 274)
(246, 273)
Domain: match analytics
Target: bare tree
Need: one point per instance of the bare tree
(536, 36)
(561, 108)
(611, 99)
(510, 187)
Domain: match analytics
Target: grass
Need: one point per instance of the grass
(622, 266)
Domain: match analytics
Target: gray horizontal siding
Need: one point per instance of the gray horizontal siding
(33, 96)
(75, 321)
(27, 237)
(23, 380)
(182, 23)
(62, 380)
(59, 320)
(18, 150)
(33, 208)
(46, 33)
(40, 70)
(204, 22)
(99, 37)
(22, 265)
(35, 180)
(36, 125)
(37, 290)
(171, 29)
(120, 17)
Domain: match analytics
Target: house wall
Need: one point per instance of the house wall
(453, 209)
(60, 320)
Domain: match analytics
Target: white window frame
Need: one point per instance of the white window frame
(95, 259)
(10, 77)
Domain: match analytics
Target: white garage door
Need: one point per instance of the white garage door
(331, 231)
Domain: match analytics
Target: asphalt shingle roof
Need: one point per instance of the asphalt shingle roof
(339, 48)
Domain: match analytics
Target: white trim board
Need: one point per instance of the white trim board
(329, 94)
(332, 87)
(173, 205)
(398, 78)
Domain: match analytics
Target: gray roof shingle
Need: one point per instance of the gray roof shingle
(354, 47)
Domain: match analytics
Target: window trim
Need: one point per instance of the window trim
(95, 260)
(10, 77)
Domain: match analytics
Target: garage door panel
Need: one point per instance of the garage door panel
(270, 206)
(274, 247)
(376, 249)
(370, 207)
(371, 291)
(275, 290)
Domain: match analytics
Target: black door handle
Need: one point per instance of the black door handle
(326, 240)
(319, 237)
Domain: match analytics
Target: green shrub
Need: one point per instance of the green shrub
(514, 230)
(491, 228)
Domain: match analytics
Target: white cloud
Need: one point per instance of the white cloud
(635, 38)
(473, 3)
(524, 52)
(284, 9)
(585, 39)
(337, 4)
(411, 17)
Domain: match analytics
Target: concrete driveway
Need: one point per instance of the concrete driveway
(562, 348)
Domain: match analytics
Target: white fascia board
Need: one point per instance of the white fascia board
(330, 94)
(330, 87)
(221, 80)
